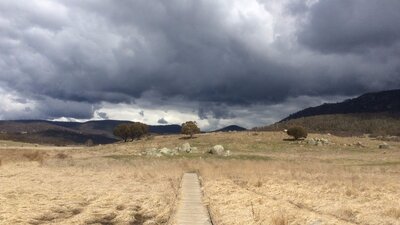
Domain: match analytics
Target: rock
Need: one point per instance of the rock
(217, 150)
(167, 151)
(324, 141)
(150, 152)
(384, 145)
(311, 142)
(186, 148)
(317, 141)
(360, 144)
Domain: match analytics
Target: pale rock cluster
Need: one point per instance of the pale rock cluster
(184, 149)
(317, 141)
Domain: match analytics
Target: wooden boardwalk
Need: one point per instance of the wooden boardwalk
(191, 210)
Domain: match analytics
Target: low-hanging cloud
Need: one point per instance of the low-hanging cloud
(216, 56)
(162, 121)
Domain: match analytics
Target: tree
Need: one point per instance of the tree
(133, 131)
(297, 132)
(138, 130)
(190, 128)
(122, 131)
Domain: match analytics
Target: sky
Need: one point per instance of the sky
(218, 62)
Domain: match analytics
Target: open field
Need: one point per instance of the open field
(266, 180)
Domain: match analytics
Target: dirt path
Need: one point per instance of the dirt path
(191, 210)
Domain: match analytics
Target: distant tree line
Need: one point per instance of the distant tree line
(137, 130)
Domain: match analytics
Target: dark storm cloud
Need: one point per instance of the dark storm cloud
(218, 54)
(357, 25)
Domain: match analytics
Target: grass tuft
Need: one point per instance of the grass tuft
(279, 219)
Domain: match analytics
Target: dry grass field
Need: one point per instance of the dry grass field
(266, 180)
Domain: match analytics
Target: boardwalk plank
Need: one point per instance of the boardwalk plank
(191, 210)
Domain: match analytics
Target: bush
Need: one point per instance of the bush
(61, 155)
(89, 143)
(35, 156)
(131, 130)
(138, 130)
(297, 132)
(190, 128)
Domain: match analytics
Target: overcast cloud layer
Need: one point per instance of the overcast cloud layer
(247, 62)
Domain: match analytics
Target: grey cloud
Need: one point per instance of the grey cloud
(141, 113)
(89, 52)
(351, 26)
(103, 115)
(162, 121)
(54, 108)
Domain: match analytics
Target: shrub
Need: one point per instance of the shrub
(35, 156)
(131, 130)
(297, 132)
(61, 155)
(138, 130)
(89, 143)
(190, 128)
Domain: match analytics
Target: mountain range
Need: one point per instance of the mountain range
(63, 133)
(67, 133)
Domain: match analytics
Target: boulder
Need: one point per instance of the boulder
(324, 141)
(311, 142)
(167, 151)
(186, 148)
(217, 150)
(150, 152)
(317, 141)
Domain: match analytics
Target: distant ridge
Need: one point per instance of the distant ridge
(375, 113)
(376, 102)
(57, 132)
(231, 128)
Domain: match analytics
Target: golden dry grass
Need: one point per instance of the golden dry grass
(265, 181)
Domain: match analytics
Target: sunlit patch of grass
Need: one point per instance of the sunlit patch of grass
(279, 219)
(393, 212)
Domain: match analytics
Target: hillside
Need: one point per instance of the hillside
(231, 128)
(377, 102)
(377, 124)
(63, 133)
